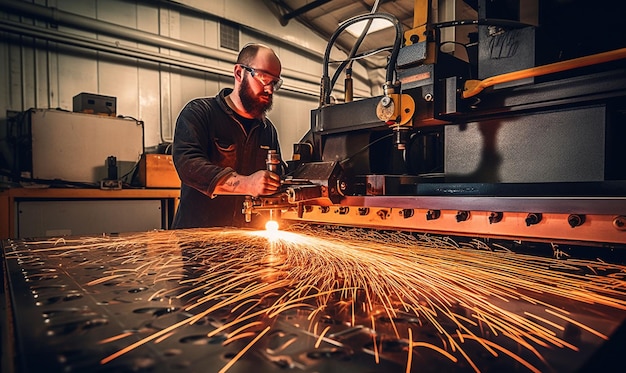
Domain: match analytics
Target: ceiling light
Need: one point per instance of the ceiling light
(378, 24)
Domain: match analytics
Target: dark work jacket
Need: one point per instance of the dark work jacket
(209, 144)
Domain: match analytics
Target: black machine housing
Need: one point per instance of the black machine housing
(563, 131)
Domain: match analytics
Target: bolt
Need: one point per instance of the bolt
(433, 214)
(406, 213)
(620, 223)
(462, 216)
(533, 218)
(363, 211)
(576, 220)
(385, 101)
(495, 217)
(342, 210)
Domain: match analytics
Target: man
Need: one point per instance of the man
(221, 144)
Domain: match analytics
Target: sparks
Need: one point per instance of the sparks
(394, 289)
(271, 225)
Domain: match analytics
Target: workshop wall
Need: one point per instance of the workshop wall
(153, 56)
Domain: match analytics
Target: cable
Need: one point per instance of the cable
(363, 55)
(326, 86)
(347, 64)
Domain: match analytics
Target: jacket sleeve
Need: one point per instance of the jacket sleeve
(192, 148)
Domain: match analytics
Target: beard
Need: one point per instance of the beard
(250, 103)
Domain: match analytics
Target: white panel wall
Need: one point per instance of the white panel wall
(41, 73)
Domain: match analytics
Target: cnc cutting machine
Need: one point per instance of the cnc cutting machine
(521, 141)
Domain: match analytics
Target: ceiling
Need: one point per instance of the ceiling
(324, 16)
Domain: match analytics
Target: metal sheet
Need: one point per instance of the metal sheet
(73, 306)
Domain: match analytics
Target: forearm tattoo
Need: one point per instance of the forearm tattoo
(233, 182)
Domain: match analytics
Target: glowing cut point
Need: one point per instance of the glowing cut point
(271, 225)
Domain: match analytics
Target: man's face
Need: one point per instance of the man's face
(254, 97)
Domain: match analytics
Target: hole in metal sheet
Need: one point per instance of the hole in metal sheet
(94, 267)
(112, 283)
(409, 319)
(201, 339)
(328, 353)
(572, 333)
(67, 311)
(282, 362)
(31, 262)
(156, 311)
(49, 270)
(72, 296)
(94, 323)
(58, 298)
(326, 319)
(75, 326)
(388, 345)
(137, 290)
(203, 321)
(40, 277)
(48, 301)
(279, 341)
(395, 320)
(36, 289)
(172, 352)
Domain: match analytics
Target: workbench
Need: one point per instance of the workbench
(165, 200)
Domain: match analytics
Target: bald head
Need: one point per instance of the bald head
(255, 54)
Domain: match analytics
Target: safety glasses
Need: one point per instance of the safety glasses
(264, 78)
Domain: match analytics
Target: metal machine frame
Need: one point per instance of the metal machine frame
(531, 152)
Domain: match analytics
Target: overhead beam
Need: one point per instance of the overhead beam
(304, 9)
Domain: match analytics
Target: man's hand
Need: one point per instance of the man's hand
(262, 182)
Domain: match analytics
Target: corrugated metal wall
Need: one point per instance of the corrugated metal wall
(128, 49)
